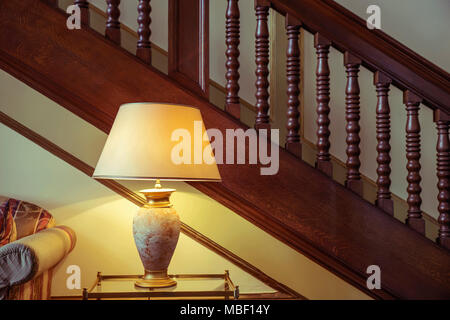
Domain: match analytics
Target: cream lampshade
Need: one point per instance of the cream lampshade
(157, 141)
(140, 146)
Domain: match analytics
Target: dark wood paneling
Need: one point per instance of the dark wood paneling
(299, 205)
(379, 52)
(189, 44)
(140, 201)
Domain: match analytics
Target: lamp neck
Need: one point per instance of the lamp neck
(158, 197)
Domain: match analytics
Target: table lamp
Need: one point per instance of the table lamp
(146, 142)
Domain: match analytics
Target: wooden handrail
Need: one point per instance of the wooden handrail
(420, 80)
(378, 51)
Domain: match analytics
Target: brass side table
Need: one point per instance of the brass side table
(205, 286)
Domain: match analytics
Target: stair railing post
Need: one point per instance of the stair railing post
(352, 111)
(144, 51)
(414, 200)
(323, 157)
(293, 143)
(262, 62)
(383, 123)
(232, 104)
(443, 173)
(112, 23)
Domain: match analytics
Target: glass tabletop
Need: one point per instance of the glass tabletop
(183, 284)
(188, 285)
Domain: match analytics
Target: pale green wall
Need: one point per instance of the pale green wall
(421, 25)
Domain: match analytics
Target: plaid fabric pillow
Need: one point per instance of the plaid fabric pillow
(28, 217)
(8, 231)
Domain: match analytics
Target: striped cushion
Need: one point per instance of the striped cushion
(19, 219)
(36, 289)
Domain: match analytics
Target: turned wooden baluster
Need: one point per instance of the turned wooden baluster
(414, 219)
(384, 201)
(144, 51)
(112, 24)
(323, 162)
(262, 62)
(443, 173)
(84, 9)
(353, 181)
(232, 41)
(293, 80)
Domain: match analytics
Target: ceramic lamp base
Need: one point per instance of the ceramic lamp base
(155, 279)
(156, 228)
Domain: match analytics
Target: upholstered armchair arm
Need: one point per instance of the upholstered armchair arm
(28, 257)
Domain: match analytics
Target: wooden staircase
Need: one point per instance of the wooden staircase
(301, 206)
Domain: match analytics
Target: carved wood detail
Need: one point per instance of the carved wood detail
(232, 53)
(112, 23)
(352, 116)
(293, 143)
(414, 219)
(323, 162)
(443, 173)
(262, 62)
(383, 201)
(144, 51)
